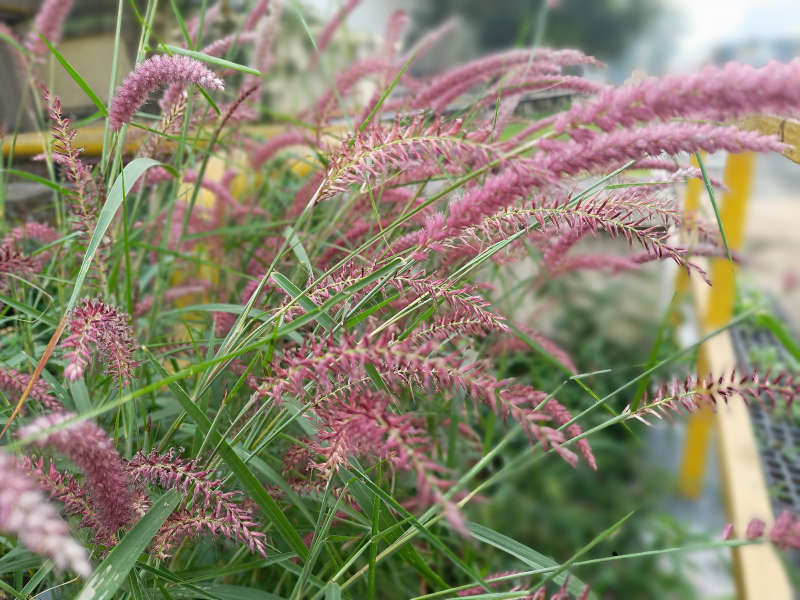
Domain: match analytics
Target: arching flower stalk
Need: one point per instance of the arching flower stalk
(692, 393)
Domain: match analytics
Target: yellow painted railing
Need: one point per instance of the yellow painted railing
(758, 569)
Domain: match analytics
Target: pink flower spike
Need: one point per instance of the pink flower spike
(152, 73)
(755, 529)
(259, 10)
(718, 93)
(785, 533)
(88, 446)
(49, 21)
(727, 532)
(211, 507)
(93, 322)
(25, 512)
(325, 36)
(14, 381)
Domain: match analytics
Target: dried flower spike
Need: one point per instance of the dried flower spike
(152, 73)
(25, 512)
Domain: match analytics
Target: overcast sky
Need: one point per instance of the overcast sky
(711, 22)
(704, 24)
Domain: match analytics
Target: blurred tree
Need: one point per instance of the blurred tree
(603, 28)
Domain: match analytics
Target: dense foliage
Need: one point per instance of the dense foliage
(278, 360)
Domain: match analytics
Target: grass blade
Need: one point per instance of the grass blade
(38, 179)
(76, 77)
(112, 572)
(307, 303)
(430, 537)
(710, 191)
(297, 247)
(121, 188)
(252, 486)
(212, 60)
(524, 553)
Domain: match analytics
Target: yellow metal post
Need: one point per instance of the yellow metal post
(758, 569)
(733, 208)
(738, 177)
(691, 204)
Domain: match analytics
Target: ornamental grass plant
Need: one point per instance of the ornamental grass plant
(275, 365)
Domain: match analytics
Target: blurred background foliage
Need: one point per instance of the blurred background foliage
(603, 28)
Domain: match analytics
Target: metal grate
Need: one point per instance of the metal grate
(778, 437)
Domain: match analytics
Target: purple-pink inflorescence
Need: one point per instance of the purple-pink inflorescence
(88, 446)
(784, 533)
(49, 21)
(14, 264)
(95, 323)
(75, 496)
(326, 35)
(207, 505)
(25, 511)
(12, 380)
(712, 93)
(154, 72)
(692, 393)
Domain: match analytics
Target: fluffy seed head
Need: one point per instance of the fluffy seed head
(152, 73)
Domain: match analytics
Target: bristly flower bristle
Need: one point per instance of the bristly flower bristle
(692, 393)
(206, 506)
(12, 380)
(152, 73)
(107, 328)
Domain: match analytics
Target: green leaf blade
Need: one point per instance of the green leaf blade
(113, 571)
